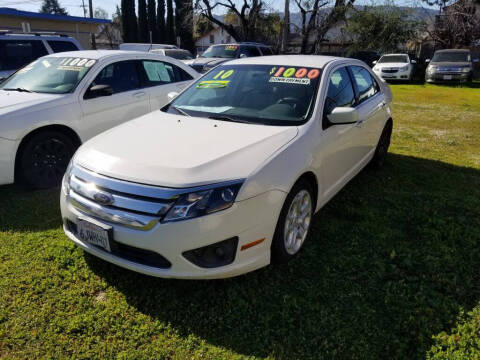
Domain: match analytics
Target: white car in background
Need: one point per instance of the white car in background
(51, 106)
(227, 177)
(394, 67)
(183, 55)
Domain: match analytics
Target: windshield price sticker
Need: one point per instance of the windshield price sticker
(219, 80)
(231, 47)
(293, 75)
(75, 64)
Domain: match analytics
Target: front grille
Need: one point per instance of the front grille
(125, 203)
(389, 71)
(130, 253)
(449, 69)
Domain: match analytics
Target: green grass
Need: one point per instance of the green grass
(391, 265)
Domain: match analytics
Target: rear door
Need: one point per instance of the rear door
(371, 107)
(159, 78)
(127, 102)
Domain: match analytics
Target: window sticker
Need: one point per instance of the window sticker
(75, 64)
(231, 47)
(46, 63)
(292, 75)
(213, 84)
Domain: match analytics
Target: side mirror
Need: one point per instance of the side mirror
(343, 115)
(242, 56)
(427, 60)
(98, 91)
(413, 61)
(172, 95)
(374, 62)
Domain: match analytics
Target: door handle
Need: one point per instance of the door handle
(382, 104)
(139, 94)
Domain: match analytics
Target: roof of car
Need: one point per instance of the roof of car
(97, 54)
(454, 50)
(398, 54)
(318, 61)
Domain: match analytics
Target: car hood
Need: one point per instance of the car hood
(11, 101)
(177, 151)
(450, 63)
(391, 65)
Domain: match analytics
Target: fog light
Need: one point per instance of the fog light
(215, 255)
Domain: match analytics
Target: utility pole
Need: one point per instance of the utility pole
(286, 27)
(94, 45)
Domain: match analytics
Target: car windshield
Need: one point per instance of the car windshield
(393, 59)
(52, 75)
(451, 57)
(179, 54)
(221, 51)
(260, 94)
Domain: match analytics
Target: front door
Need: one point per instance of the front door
(127, 102)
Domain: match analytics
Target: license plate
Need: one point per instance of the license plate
(447, 77)
(93, 234)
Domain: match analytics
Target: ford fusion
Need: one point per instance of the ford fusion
(225, 179)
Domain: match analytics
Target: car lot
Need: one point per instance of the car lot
(392, 260)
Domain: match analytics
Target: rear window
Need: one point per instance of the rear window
(62, 46)
(14, 54)
(179, 54)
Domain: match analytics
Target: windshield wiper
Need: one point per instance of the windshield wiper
(228, 118)
(179, 110)
(19, 89)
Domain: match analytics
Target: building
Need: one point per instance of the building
(26, 21)
(216, 36)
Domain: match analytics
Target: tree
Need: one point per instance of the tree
(52, 7)
(143, 34)
(100, 13)
(285, 27)
(457, 26)
(129, 21)
(170, 33)
(184, 23)
(152, 20)
(247, 13)
(161, 20)
(383, 28)
(308, 10)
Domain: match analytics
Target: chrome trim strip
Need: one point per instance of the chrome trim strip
(134, 221)
(88, 190)
(141, 189)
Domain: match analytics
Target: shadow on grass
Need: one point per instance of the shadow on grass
(390, 261)
(23, 209)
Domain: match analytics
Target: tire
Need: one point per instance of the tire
(44, 159)
(381, 150)
(300, 195)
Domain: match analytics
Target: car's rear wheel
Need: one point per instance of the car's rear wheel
(294, 222)
(44, 159)
(381, 150)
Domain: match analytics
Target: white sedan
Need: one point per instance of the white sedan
(395, 67)
(51, 106)
(226, 178)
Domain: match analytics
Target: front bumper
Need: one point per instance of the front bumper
(7, 160)
(399, 75)
(249, 220)
(432, 77)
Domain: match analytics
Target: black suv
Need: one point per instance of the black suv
(217, 54)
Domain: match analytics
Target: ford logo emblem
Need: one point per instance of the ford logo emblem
(103, 198)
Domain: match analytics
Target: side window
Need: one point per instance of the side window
(121, 76)
(15, 54)
(266, 51)
(339, 94)
(364, 82)
(249, 51)
(181, 75)
(157, 73)
(62, 46)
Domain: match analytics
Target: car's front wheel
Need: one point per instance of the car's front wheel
(44, 159)
(294, 222)
(381, 150)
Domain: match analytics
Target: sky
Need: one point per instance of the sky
(74, 7)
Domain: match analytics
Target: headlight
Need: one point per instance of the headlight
(203, 202)
(375, 68)
(404, 68)
(66, 178)
(431, 68)
(466, 69)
